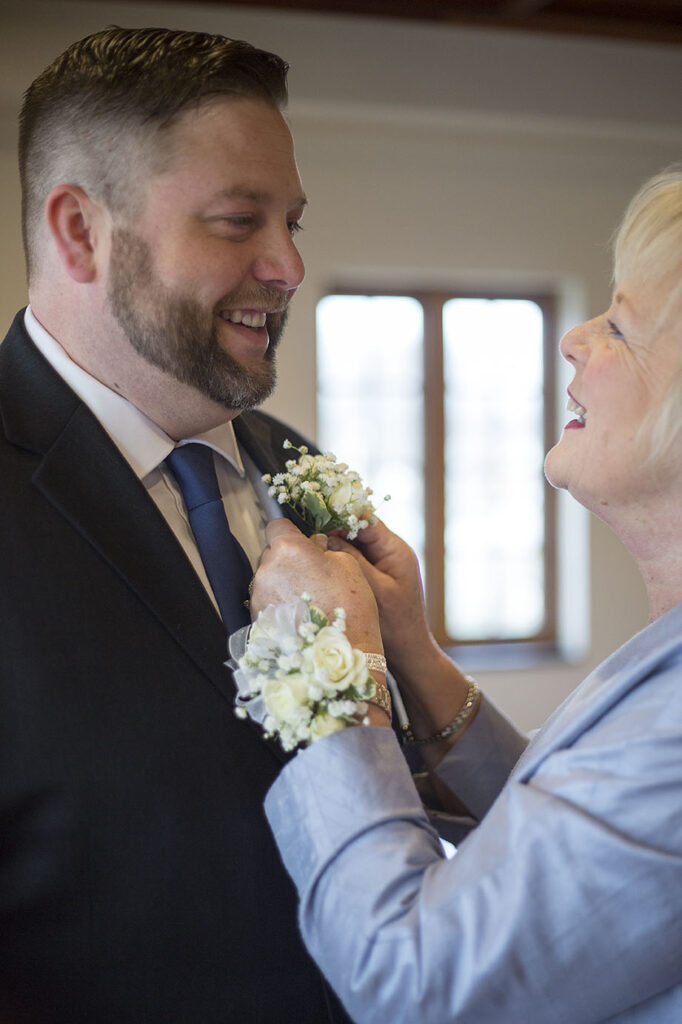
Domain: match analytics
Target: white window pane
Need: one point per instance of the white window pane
(494, 536)
(370, 399)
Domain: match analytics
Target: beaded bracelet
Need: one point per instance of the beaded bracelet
(382, 698)
(457, 722)
(375, 662)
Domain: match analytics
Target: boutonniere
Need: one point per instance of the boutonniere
(326, 494)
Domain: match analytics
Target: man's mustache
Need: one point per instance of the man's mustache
(269, 299)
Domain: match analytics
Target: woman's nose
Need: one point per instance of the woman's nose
(574, 344)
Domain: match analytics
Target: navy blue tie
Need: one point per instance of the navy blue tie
(227, 567)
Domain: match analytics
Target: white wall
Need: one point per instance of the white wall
(430, 153)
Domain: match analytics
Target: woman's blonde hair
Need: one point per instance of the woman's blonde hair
(648, 242)
(648, 247)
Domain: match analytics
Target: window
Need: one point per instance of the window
(444, 401)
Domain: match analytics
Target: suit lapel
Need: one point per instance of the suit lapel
(88, 482)
(255, 434)
(262, 438)
(86, 479)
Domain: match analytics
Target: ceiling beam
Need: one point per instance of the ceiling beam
(638, 20)
(522, 8)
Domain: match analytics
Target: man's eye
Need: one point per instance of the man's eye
(239, 221)
(614, 330)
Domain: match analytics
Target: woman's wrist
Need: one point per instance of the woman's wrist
(456, 725)
(377, 716)
(440, 701)
(416, 667)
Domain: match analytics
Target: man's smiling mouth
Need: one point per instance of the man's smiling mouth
(246, 317)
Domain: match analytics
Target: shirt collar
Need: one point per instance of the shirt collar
(143, 444)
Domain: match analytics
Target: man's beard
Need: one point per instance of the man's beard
(174, 333)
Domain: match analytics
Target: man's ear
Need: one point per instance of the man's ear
(76, 224)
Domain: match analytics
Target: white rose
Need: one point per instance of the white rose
(332, 660)
(340, 496)
(323, 725)
(285, 697)
(276, 631)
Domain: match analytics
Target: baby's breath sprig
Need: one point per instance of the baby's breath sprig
(325, 493)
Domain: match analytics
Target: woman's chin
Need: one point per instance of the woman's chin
(555, 472)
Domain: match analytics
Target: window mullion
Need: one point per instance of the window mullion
(434, 463)
(548, 306)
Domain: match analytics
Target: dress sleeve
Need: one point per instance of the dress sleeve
(478, 765)
(564, 905)
(474, 770)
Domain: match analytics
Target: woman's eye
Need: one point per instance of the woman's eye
(294, 226)
(614, 330)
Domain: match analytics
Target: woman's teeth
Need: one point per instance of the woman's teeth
(579, 410)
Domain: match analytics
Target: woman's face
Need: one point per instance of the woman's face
(623, 362)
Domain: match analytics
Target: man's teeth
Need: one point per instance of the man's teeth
(579, 410)
(239, 316)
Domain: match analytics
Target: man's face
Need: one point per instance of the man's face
(201, 282)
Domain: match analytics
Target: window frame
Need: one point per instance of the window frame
(432, 301)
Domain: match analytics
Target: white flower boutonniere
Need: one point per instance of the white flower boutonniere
(325, 493)
(299, 677)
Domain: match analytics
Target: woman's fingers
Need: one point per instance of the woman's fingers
(293, 564)
(278, 528)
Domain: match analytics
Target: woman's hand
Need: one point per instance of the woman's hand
(386, 583)
(292, 565)
(432, 686)
(391, 568)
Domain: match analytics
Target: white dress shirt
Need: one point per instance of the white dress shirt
(145, 446)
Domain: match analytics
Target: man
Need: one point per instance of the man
(138, 879)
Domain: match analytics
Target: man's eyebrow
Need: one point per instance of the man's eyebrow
(243, 192)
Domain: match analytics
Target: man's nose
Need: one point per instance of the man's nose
(280, 264)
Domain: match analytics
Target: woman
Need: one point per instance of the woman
(565, 902)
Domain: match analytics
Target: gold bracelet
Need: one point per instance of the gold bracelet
(382, 698)
(457, 722)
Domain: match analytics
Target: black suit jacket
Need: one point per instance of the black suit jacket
(139, 883)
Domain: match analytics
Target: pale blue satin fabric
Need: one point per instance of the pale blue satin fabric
(563, 905)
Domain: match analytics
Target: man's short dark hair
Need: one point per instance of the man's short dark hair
(111, 98)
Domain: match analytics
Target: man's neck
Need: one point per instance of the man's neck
(179, 409)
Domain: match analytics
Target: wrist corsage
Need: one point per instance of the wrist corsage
(297, 674)
(326, 494)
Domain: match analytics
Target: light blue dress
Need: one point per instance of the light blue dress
(563, 905)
